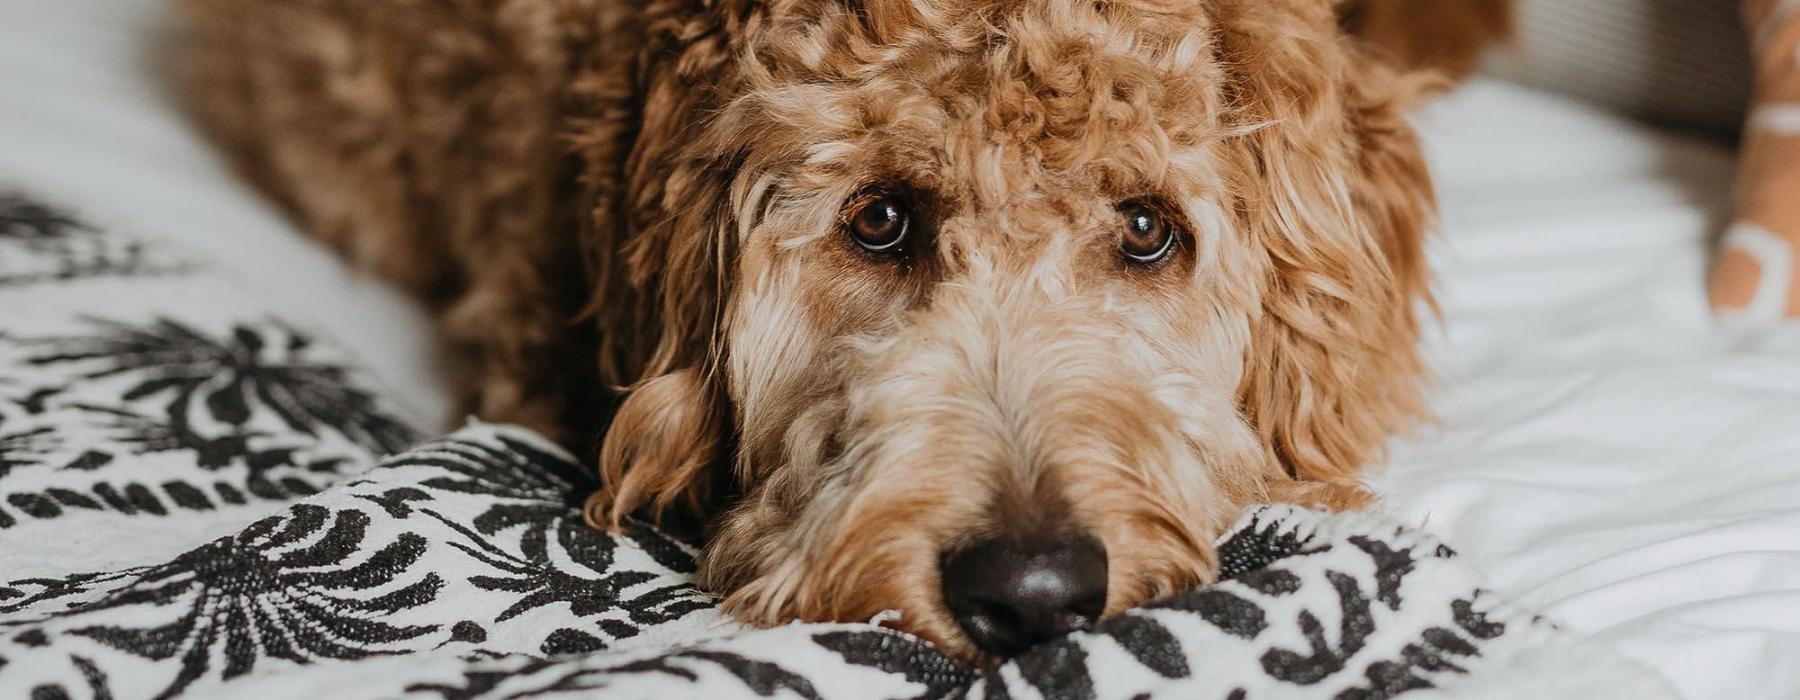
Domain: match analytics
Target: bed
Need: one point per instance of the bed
(1603, 453)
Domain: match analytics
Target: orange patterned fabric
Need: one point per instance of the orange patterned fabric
(1754, 278)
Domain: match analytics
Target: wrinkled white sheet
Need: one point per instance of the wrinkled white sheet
(1603, 451)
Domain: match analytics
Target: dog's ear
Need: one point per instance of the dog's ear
(657, 222)
(1336, 194)
(660, 451)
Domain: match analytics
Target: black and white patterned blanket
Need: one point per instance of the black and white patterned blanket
(194, 502)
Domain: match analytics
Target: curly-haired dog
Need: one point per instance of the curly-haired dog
(993, 312)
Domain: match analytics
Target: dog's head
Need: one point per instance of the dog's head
(994, 312)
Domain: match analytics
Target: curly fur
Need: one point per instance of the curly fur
(629, 212)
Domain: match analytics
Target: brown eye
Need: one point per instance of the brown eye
(879, 225)
(1149, 236)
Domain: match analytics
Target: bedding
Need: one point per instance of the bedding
(1602, 448)
(147, 403)
(189, 505)
(1603, 455)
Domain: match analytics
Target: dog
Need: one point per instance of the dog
(992, 312)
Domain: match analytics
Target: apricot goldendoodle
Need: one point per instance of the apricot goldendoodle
(993, 312)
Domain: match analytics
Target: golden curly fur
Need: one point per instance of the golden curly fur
(632, 213)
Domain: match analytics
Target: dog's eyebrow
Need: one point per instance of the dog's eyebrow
(753, 195)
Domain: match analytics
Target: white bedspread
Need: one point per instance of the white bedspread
(1603, 451)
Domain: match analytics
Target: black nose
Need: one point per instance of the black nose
(1010, 595)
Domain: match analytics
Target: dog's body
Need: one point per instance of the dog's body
(889, 286)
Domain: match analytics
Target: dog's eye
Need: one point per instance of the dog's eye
(879, 224)
(1149, 236)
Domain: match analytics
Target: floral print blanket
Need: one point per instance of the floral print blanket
(197, 499)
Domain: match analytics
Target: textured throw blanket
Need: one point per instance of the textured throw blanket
(194, 502)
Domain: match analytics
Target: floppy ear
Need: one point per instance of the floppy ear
(657, 245)
(1338, 197)
(660, 451)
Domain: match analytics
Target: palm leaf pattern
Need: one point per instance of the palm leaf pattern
(212, 381)
(35, 224)
(27, 594)
(468, 557)
(541, 678)
(539, 493)
(267, 592)
(24, 448)
(50, 244)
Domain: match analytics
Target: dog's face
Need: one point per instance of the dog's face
(1017, 304)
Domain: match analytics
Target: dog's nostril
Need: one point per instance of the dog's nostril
(1010, 595)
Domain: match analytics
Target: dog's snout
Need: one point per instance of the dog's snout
(1010, 595)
